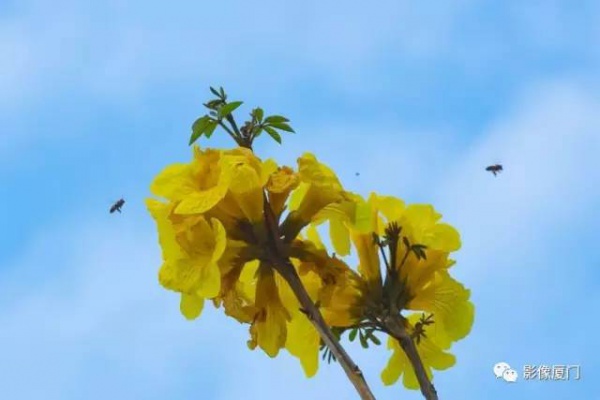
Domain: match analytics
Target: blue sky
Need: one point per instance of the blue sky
(96, 97)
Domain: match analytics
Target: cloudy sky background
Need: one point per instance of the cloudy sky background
(96, 98)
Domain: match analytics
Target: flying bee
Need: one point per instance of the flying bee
(117, 206)
(495, 169)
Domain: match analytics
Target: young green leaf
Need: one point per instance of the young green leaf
(276, 119)
(282, 125)
(419, 250)
(374, 338)
(273, 133)
(258, 114)
(352, 335)
(212, 125)
(229, 108)
(257, 131)
(363, 340)
(199, 128)
(214, 91)
(406, 241)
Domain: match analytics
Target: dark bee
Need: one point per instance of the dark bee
(117, 206)
(494, 169)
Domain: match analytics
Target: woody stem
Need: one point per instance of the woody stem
(286, 269)
(395, 328)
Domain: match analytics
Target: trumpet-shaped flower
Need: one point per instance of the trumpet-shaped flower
(192, 247)
(416, 278)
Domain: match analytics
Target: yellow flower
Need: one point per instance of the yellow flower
(432, 356)
(246, 176)
(319, 187)
(352, 212)
(413, 282)
(232, 181)
(192, 247)
(281, 183)
(197, 186)
(448, 301)
(269, 327)
(420, 222)
(303, 340)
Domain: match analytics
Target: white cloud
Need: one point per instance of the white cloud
(115, 49)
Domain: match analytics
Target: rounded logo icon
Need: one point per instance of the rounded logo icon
(510, 375)
(499, 369)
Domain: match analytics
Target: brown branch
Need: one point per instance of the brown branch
(398, 332)
(286, 269)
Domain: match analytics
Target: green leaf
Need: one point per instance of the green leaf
(213, 104)
(257, 131)
(282, 125)
(276, 119)
(229, 108)
(223, 95)
(259, 114)
(363, 340)
(273, 133)
(352, 335)
(406, 242)
(374, 338)
(211, 128)
(214, 91)
(199, 128)
(419, 250)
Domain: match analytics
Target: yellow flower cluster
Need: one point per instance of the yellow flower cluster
(217, 245)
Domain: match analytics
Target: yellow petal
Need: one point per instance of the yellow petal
(166, 232)
(174, 182)
(268, 168)
(270, 326)
(448, 300)
(220, 238)
(199, 202)
(314, 172)
(297, 196)
(179, 275)
(191, 305)
(209, 282)
(391, 207)
(368, 257)
(432, 357)
(339, 237)
(443, 237)
(303, 342)
(280, 184)
(313, 236)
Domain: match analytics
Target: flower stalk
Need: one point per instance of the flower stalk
(285, 268)
(395, 328)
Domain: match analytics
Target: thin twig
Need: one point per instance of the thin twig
(398, 332)
(284, 267)
(233, 135)
(231, 120)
